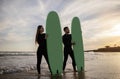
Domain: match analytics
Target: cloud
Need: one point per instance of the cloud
(19, 19)
(97, 17)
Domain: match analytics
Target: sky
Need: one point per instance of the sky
(100, 21)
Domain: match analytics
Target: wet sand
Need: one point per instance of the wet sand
(46, 75)
(67, 75)
(97, 66)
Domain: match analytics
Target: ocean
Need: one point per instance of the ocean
(100, 64)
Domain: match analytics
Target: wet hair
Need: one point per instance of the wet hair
(37, 33)
(65, 28)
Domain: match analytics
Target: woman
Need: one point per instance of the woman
(42, 48)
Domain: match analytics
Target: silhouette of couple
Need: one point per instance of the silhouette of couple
(42, 48)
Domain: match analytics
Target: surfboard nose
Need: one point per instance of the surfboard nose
(53, 13)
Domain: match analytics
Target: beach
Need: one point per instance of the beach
(98, 65)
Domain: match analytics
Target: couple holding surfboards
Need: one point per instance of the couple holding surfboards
(52, 50)
(42, 49)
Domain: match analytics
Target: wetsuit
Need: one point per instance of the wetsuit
(42, 50)
(66, 38)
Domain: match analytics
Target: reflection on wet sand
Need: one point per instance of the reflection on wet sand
(74, 75)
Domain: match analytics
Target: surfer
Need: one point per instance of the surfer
(40, 39)
(66, 38)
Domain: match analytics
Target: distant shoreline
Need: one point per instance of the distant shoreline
(106, 49)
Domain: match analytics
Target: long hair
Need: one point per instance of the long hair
(37, 33)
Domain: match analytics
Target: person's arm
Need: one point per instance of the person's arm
(63, 40)
(41, 38)
(46, 36)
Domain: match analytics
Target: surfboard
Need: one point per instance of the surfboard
(54, 43)
(78, 47)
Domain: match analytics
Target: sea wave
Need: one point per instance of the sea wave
(17, 61)
(17, 53)
(7, 70)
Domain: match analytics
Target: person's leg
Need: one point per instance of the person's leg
(73, 60)
(65, 58)
(46, 58)
(39, 57)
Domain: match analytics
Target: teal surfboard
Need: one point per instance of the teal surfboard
(78, 47)
(54, 43)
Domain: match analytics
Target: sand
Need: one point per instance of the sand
(32, 74)
(46, 75)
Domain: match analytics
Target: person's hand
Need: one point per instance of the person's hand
(73, 43)
(46, 36)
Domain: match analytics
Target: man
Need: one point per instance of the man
(66, 38)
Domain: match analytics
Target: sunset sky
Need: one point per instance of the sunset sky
(100, 21)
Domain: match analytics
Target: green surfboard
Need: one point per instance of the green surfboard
(78, 47)
(54, 43)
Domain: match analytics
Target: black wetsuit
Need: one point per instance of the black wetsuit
(42, 50)
(68, 50)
